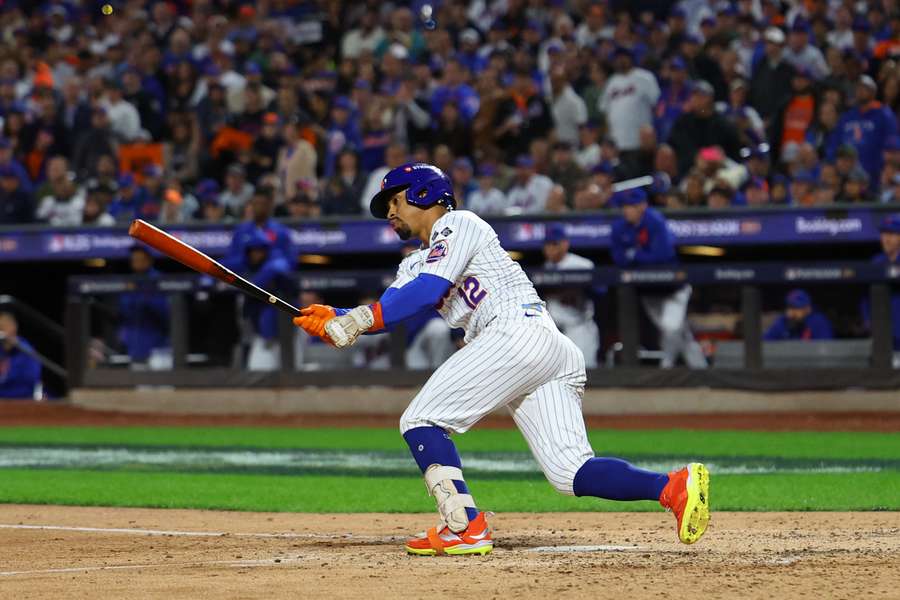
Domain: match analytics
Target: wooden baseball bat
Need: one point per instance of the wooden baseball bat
(198, 261)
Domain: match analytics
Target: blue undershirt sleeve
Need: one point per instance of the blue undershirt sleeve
(420, 294)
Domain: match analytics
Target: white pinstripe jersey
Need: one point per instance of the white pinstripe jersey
(487, 283)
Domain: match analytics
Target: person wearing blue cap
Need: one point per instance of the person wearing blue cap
(640, 238)
(889, 255)
(799, 321)
(264, 265)
(20, 371)
(803, 55)
(571, 308)
(487, 199)
(143, 324)
(868, 127)
(529, 192)
(16, 205)
(674, 96)
(129, 198)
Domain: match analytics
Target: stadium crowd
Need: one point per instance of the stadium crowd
(175, 111)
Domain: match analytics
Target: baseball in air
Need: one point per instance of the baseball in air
(107, 9)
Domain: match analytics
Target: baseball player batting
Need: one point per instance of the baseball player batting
(514, 356)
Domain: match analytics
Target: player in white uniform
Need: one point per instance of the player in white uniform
(514, 357)
(571, 308)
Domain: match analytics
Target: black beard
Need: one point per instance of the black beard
(403, 232)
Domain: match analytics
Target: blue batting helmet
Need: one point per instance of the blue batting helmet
(425, 186)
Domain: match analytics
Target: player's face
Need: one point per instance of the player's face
(403, 217)
(890, 242)
(555, 251)
(634, 212)
(796, 315)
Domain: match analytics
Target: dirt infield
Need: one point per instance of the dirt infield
(53, 551)
(44, 414)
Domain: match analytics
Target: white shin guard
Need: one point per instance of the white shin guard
(451, 504)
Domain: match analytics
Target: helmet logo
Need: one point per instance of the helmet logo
(407, 170)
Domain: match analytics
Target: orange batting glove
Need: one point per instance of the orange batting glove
(313, 319)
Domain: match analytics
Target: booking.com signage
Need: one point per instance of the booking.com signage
(366, 235)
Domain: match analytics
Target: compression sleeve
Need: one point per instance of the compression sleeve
(422, 293)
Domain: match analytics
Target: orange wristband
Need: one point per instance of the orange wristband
(379, 321)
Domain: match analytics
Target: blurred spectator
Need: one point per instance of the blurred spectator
(297, 159)
(757, 193)
(265, 266)
(343, 131)
(20, 371)
(890, 193)
(702, 65)
(820, 130)
(770, 85)
(260, 209)
(462, 176)
(528, 194)
(182, 153)
(238, 190)
(153, 190)
(571, 308)
(266, 146)
(7, 159)
(522, 117)
(676, 92)
(394, 156)
(701, 127)
(95, 142)
(564, 170)
(212, 209)
(568, 108)
(803, 55)
(342, 191)
(487, 199)
(455, 88)
(799, 321)
(720, 197)
(595, 192)
(802, 190)
(588, 153)
(98, 195)
(628, 102)
(55, 192)
(890, 255)
(791, 122)
(144, 317)
(453, 131)
(367, 36)
(16, 205)
(124, 120)
(867, 127)
(855, 188)
(641, 237)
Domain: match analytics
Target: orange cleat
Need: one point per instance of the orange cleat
(476, 539)
(687, 495)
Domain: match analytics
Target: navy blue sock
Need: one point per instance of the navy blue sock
(615, 479)
(432, 445)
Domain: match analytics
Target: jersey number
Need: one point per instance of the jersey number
(471, 292)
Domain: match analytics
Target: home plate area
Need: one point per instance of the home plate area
(55, 551)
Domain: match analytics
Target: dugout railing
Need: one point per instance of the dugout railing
(626, 285)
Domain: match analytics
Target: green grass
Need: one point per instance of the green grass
(860, 491)
(131, 486)
(803, 444)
